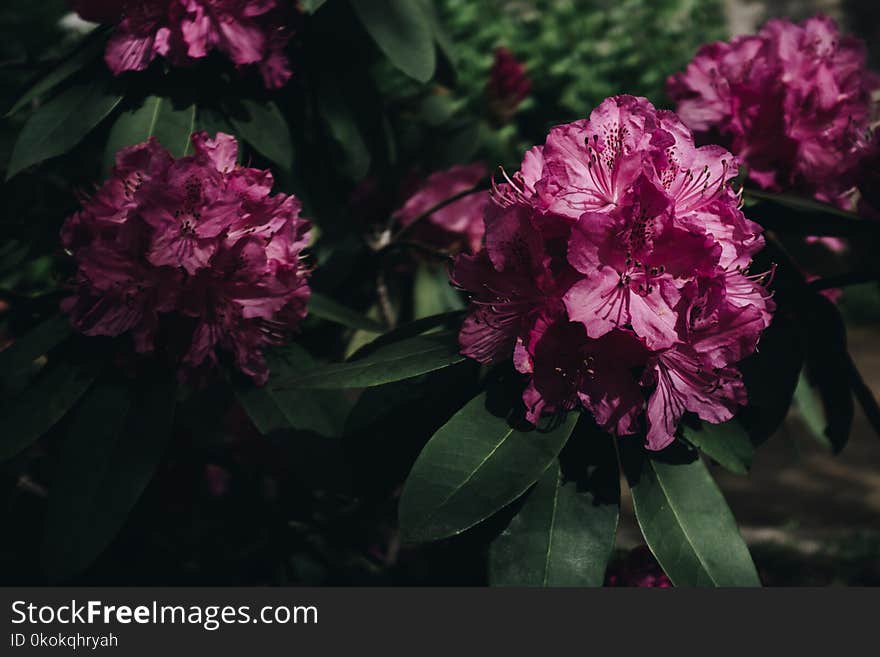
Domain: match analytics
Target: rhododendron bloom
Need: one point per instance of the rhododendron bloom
(508, 85)
(249, 32)
(639, 569)
(614, 273)
(794, 102)
(457, 223)
(192, 252)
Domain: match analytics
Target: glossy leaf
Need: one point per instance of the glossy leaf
(475, 465)
(442, 322)
(156, 117)
(826, 370)
(689, 527)
(378, 402)
(114, 443)
(432, 293)
(311, 6)
(47, 399)
(211, 121)
(326, 308)
(447, 46)
(271, 409)
(403, 31)
(339, 116)
(59, 125)
(803, 216)
(397, 361)
(770, 376)
(262, 125)
(78, 58)
(564, 533)
(727, 443)
(17, 360)
(812, 411)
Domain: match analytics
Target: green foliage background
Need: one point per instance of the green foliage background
(580, 51)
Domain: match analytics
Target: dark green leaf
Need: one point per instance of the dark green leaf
(340, 118)
(62, 123)
(403, 30)
(689, 527)
(311, 6)
(211, 121)
(770, 376)
(460, 141)
(437, 109)
(564, 533)
(320, 411)
(156, 117)
(432, 293)
(17, 360)
(81, 55)
(826, 369)
(114, 443)
(792, 214)
(378, 402)
(447, 46)
(475, 465)
(448, 321)
(728, 443)
(395, 362)
(44, 402)
(326, 308)
(260, 405)
(812, 411)
(262, 125)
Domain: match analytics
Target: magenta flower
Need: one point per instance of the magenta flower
(456, 224)
(638, 569)
(249, 32)
(508, 85)
(614, 274)
(191, 252)
(794, 102)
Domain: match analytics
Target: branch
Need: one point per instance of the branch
(418, 246)
(479, 187)
(383, 296)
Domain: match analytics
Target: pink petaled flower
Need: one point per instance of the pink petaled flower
(639, 569)
(457, 223)
(508, 85)
(614, 274)
(249, 32)
(794, 102)
(193, 254)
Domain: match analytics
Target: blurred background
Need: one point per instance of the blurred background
(809, 517)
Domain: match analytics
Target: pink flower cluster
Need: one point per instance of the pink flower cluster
(508, 85)
(794, 102)
(249, 32)
(191, 255)
(614, 272)
(456, 224)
